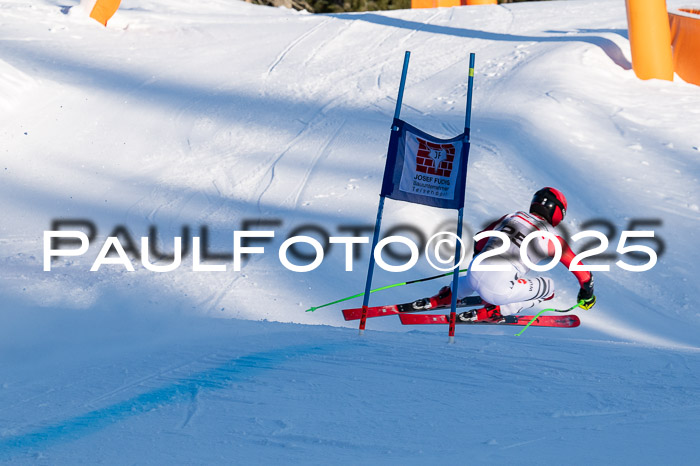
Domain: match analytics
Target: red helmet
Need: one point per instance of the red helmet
(550, 204)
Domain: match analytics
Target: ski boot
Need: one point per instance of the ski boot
(487, 313)
(443, 298)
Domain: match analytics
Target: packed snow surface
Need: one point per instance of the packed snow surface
(202, 118)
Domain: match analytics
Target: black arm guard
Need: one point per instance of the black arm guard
(586, 290)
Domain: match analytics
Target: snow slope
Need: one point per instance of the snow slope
(223, 113)
(137, 389)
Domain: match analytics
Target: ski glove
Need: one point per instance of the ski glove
(586, 304)
(586, 295)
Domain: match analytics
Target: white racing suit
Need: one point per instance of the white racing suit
(508, 288)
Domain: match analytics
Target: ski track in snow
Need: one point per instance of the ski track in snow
(324, 44)
(320, 154)
(410, 35)
(293, 44)
(270, 173)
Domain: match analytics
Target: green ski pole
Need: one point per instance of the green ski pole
(312, 309)
(545, 310)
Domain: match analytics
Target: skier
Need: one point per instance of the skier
(507, 292)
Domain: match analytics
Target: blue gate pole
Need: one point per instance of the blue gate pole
(460, 215)
(468, 118)
(380, 208)
(455, 277)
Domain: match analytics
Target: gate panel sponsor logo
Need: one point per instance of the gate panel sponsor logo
(429, 168)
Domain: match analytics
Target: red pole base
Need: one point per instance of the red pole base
(363, 319)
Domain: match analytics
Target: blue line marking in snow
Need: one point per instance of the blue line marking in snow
(217, 378)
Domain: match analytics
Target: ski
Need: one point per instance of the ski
(564, 321)
(393, 309)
